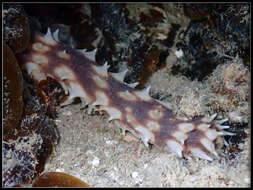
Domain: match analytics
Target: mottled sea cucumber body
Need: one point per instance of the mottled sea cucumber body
(135, 110)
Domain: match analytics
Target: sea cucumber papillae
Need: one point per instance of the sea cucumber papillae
(133, 109)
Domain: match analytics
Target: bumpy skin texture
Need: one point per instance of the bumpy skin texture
(135, 110)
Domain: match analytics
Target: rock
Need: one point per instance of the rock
(12, 91)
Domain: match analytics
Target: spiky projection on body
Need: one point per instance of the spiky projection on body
(135, 110)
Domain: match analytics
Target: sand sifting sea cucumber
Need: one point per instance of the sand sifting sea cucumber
(137, 112)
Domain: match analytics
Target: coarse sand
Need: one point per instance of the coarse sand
(98, 153)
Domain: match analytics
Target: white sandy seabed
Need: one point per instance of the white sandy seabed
(98, 153)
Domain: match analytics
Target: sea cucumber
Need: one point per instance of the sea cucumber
(137, 112)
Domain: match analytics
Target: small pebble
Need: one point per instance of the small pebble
(247, 180)
(59, 170)
(179, 53)
(67, 113)
(95, 162)
(134, 175)
(57, 120)
(193, 179)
